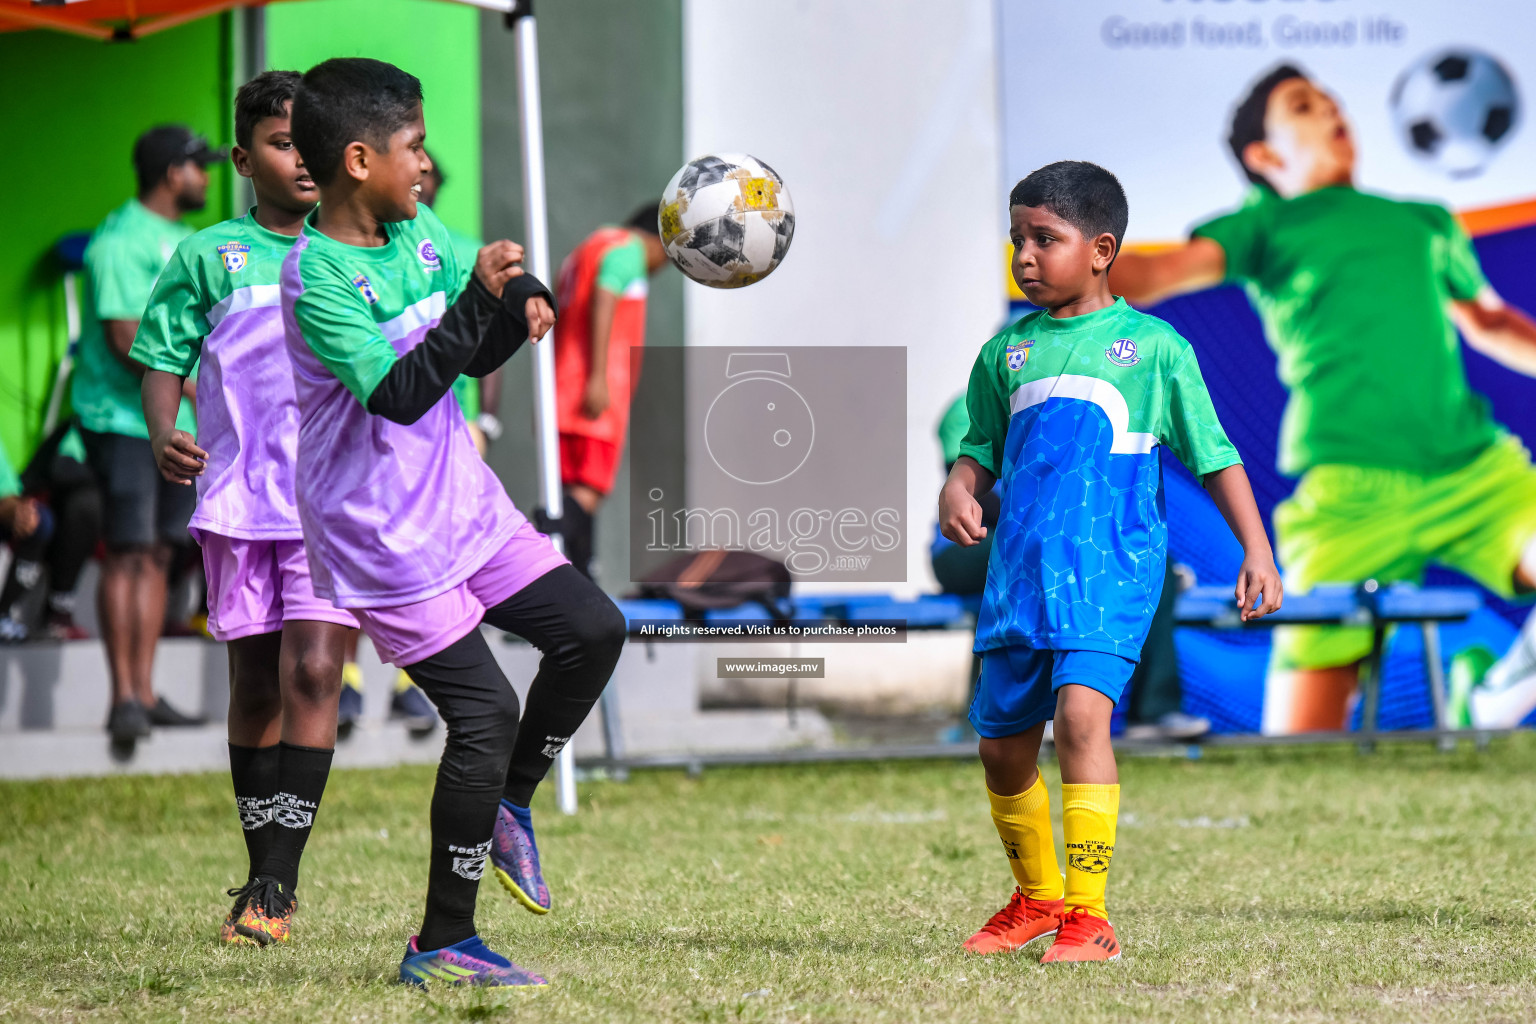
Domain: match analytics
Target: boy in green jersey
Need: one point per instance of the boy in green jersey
(217, 301)
(1400, 462)
(1068, 408)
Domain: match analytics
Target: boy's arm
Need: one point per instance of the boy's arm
(1145, 279)
(1257, 577)
(176, 453)
(959, 511)
(527, 312)
(595, 399)
(165, 349)
(1498, 330)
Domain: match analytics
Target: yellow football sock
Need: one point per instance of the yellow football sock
(403, 681)
(1088, 816)
(352, 675)
(1024, 824)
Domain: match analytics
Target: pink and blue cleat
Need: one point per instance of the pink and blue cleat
(515, 858)
(470, 962)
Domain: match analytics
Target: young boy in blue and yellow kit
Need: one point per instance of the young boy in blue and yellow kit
(1068, 407)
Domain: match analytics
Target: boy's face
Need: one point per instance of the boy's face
(1053, 264)
(1307, 143)
(275, 168)
(393, 182)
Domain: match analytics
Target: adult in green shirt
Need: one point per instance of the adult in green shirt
(145, 517)
(1400, 462)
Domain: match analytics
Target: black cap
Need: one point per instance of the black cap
(166, 146)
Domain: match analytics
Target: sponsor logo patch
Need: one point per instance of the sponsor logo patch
(427, 253)
(360, 282)
(233, 254)
(472, 864)
(1091, 857)
(554, 744)
(1018, 354)
(1123, 353)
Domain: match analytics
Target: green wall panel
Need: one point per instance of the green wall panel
(437, 42)
(76, 106)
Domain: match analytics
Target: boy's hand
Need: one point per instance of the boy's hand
(960, 514)
(20, 516)
(1258, 576)
(180, 459)
(497, 263)
(540, 316)
(594, 401)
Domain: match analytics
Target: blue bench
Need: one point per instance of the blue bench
(1369, 605)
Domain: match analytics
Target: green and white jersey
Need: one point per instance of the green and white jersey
(1068, 414)
(218, 301)
(125, 256)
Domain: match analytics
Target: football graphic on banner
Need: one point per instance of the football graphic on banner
(1454, 109)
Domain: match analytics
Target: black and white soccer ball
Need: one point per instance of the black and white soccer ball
(1454, 109)
(726, 220)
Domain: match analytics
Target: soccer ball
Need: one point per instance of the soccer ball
(1454, 109)
(726, 220)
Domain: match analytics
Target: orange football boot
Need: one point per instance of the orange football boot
(268, 913)
(1083, 937)
(1021, 922)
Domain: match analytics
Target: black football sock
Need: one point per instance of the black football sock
(254, 772)
(462, 822)
(480, 709)
(301, 776)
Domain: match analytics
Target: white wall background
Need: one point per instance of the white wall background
(882, 119)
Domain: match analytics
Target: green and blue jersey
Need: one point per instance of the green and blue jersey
(1068, 414)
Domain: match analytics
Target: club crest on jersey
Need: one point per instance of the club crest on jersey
(1123, 353)
(360, 282)
(1018, 353)
(233, 254)
(427, 253)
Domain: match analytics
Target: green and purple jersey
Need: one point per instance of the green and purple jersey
(393, 513)
(217, 300)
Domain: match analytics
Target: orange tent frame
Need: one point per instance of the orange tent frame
(125, 20)
(110, 20)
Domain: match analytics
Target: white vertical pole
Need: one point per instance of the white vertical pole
(536, 247)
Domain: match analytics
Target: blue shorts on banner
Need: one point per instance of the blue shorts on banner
(1018, 685)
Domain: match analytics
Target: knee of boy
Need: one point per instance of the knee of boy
(317, 674)
(603, 631)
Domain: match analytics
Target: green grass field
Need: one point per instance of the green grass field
(1280, 885)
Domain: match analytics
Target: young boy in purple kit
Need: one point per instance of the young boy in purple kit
(407, 527)
(217, 300)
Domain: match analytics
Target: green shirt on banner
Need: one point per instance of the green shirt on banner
(125, 256)
(1352, 289)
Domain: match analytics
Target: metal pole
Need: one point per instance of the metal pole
(536, 248)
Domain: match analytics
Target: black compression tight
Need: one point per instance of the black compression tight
(489, 753)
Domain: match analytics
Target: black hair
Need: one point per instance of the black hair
(266, 95)
(1248, 118)
(350, 99)
(1084, 195)
(644, 219)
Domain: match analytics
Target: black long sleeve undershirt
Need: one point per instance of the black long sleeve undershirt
(475, 335)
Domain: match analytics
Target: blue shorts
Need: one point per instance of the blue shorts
(1018, 685)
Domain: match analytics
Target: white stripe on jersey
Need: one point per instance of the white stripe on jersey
(1087, 389)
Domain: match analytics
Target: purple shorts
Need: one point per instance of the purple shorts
(407, 633)
(254, 586)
